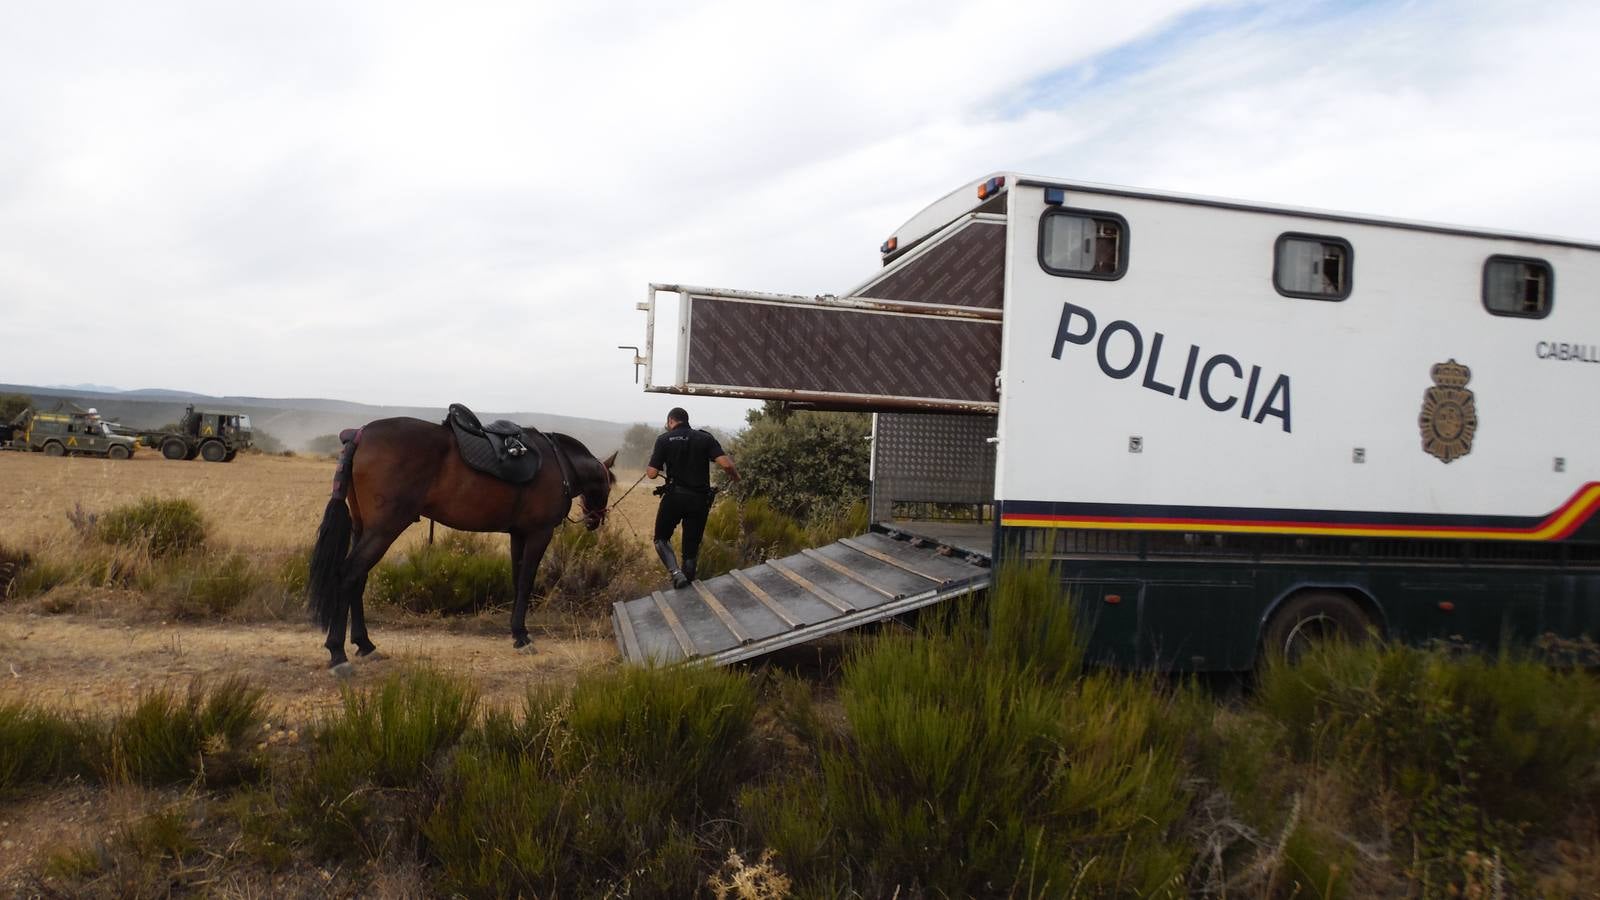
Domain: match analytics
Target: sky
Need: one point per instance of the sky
(417, 204)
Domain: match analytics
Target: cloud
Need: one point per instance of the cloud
(404, 203)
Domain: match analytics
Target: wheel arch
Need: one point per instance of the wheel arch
(1360, 594)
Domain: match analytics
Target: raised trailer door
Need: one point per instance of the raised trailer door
(782, 602)
(923, 334)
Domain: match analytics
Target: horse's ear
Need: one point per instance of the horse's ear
(610, 461)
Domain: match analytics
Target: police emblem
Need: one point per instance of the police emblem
(1449, 415)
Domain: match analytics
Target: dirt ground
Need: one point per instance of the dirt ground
(74, 662)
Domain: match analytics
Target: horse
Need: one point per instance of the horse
(395, 471)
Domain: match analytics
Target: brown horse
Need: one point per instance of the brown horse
(395, 471)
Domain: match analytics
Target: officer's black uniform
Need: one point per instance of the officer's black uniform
(685, 454)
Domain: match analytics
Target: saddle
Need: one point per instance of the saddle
(502, 449)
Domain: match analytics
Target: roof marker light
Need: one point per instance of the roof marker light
(1055, 196)
(991, 187)
(889, 246)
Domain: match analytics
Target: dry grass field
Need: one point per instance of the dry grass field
(269, 503)
(99, 646)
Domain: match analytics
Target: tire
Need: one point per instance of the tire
(213, 451)
(230, 456)
(54, 449)
(172, 448)
(1310, 617)
(117, 451)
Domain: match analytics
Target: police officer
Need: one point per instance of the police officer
(686, 454)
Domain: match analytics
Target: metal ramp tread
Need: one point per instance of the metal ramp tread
(749, 613)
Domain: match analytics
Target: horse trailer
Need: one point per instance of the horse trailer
(1228, 425)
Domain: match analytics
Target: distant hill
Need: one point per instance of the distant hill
(294, 421)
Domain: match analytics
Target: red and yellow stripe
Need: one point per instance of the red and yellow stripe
(1556, 526)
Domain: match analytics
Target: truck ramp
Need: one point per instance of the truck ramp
(782, 602)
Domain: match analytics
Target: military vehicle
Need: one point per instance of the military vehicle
(211, 436)
(68, 434)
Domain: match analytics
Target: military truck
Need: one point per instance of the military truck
(68, 433)
(210, 435)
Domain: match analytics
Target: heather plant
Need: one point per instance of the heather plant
(158, 527)
(168, 738)
(1478, 751)
(611, 788)
(462, 573)
(40, 745)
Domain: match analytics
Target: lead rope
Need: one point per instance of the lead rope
(613, 506)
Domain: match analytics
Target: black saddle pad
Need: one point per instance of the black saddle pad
(492, 454)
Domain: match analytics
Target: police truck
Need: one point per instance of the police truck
(1232, 427)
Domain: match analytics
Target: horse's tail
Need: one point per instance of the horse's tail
(324, 600)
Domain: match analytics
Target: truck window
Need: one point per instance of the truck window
(1312, 266)
(1517, 286)
(1083, 244)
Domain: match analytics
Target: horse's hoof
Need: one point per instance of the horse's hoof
(342, 670)
(369, 652)
(527, 649)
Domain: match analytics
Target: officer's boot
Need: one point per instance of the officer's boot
(688, 567)
(670, 560)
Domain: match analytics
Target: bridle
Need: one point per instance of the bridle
(601, 515)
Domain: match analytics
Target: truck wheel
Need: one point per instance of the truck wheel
(213, 451)
(230, 456)
(118, 452)
(1313, 616)
(173, 448)
(54, 449)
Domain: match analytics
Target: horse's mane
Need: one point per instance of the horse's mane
(576, 449)
(570, 443)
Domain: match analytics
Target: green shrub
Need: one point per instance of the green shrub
(158, 527)
(784, 815)
(747, 532)
(462, 573)
(975, 768)
(204, 587)
(592, 569)
(39, 745)
(597, 792)
(294, 570)
(265, 833)
(12, 563)
(804, 463)
(24, 575)
(167, 738)
(400, 728)
(393, 736)
(1479, 749)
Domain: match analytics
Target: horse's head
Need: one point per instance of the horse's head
(595, 481)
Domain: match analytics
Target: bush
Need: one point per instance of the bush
(157, 527)
(462, 573)
(167, 739)
(807, 463)
(1479, 750)
(400, 728)
(748, 532)
(12, 563)
(209, 586)
(39, 745)
(393, 736)
(599, 792)
(592, 569)
(974, 767)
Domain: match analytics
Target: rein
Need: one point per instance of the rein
(611, 506)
